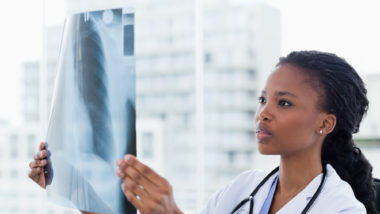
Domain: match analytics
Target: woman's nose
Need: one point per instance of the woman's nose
(263, 113)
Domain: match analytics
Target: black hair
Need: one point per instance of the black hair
(342, 93)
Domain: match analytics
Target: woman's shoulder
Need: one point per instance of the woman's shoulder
(235, 191)
(335, 186)
(339, 194)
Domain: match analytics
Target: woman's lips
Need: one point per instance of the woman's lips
(262, 133)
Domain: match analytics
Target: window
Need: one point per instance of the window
(13, 146)
(207, 58)
(231, 157)
(147, 145)
(31, 146)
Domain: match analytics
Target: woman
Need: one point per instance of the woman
(311, 105)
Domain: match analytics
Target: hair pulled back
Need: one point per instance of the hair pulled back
(342, 93)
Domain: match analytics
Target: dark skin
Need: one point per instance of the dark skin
(295, 128)
(36, 172)
(289, 110)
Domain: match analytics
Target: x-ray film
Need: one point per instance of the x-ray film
(92, 121)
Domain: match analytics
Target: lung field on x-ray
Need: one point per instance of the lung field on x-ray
(92, 84)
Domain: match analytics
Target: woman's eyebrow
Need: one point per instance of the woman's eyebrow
(281, 93)
(284, 93)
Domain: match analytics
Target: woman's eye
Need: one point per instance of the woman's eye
(261, 99)
(284, 103)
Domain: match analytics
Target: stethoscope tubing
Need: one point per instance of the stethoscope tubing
(252, 195)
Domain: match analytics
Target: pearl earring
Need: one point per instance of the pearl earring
(320, 131)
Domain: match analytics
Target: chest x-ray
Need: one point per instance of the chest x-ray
(92, 122)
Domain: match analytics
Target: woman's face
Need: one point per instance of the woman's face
(287, 119)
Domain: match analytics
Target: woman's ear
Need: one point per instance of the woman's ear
(328, 123)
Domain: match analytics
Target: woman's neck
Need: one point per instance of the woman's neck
(297, 171)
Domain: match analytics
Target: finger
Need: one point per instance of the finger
(128, 172)
(140, 179)
(120, 171)
(136, 189)
(35, 172)
(40, 155)
(120, 174)
(122, 164)
(37, 163)
(132, 198)
(143, 169)
(118, 162)
(42, 146)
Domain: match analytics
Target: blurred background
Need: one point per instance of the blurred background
(200, 65)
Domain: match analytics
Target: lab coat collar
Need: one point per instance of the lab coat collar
(299, 202)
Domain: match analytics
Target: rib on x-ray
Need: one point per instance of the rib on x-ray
(92, 82)
(92, 121)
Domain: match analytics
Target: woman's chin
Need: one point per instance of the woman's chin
(266, 150)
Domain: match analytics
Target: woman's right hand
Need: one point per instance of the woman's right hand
(37, 172)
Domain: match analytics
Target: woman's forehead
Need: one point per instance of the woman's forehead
(290, 79)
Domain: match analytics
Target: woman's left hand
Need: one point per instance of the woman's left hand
(144, 188)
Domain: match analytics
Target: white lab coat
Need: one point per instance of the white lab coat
(336, 196)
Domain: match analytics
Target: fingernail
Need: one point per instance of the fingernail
(118, 171)
(118, 162)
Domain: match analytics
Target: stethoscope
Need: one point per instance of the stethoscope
(250, 198)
